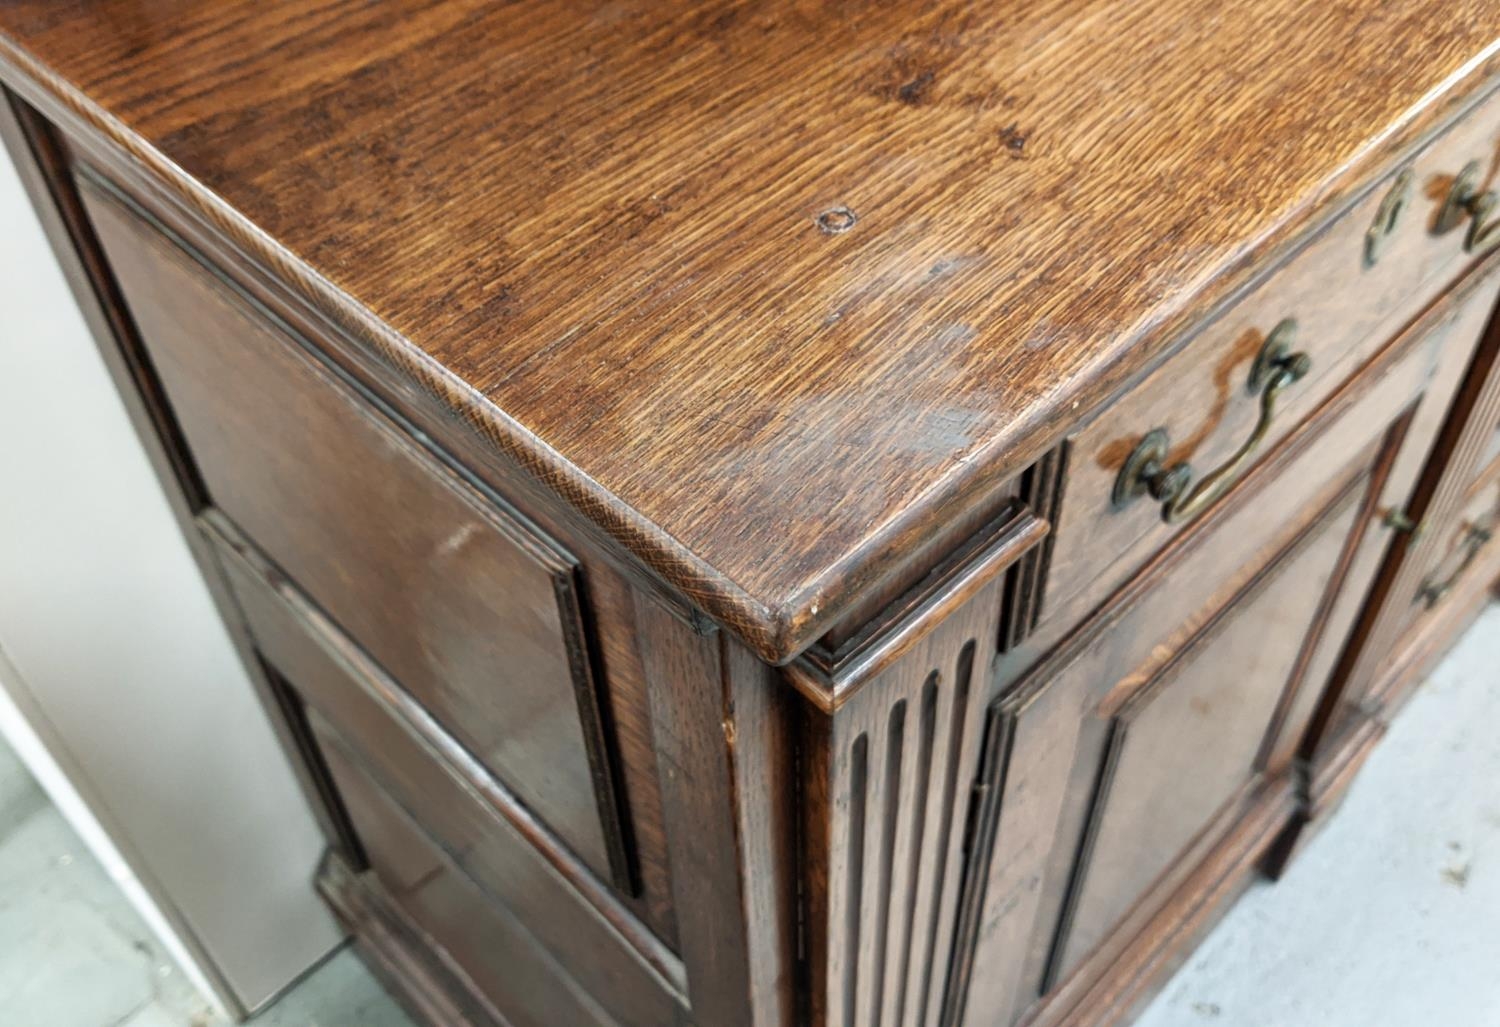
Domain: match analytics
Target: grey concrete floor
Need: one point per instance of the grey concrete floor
(74, 953)
(1390, 917)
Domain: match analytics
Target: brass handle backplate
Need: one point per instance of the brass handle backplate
(1145, 471)
(1466, 200)
(1475, 539)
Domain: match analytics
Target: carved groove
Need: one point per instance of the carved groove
(928, 728)
(1026, 586)
(895, 738)
(858, 774)
(900, 801)
(963, 679)
(1114, 745)
(979, 848)
(885, 812)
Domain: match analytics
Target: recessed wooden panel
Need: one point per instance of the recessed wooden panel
(615, 237)
(775, 358)
(1455, 462)
(472, 610)
(1186, 743)
(493, 949)
(486, 833)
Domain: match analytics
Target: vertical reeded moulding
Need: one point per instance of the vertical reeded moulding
(889, 748)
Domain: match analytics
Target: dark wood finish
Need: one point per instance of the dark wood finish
(1345, 312)
(1396, 637)
(41, 163)
(717, 784)
(470, 608)
(1340, 749)
(577, 230)
(828, 677)
(1185, 743)
(1042, 489)
(1439, 506)
(1167, 939)
(489, 946)
(1356, 723)
(886, 781)
(393, 946)
(487, 832)
(657, 461)
(607, 588)
(1237, 589)
(1454, 324)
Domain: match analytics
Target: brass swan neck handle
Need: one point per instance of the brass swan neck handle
(1475, 539)
(1466, 200)
(1144, 472)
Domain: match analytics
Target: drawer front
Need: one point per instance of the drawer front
(472, 610)
(1203, 402)
(1116, 765)
(486, 836)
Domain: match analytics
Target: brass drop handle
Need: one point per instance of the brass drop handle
(1275, 367)
(1465, 200)
(1475, 539)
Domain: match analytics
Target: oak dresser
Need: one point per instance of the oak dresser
(855, 515)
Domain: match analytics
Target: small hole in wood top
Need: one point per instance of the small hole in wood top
(836, 220)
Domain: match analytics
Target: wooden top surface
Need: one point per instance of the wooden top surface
(593, 228)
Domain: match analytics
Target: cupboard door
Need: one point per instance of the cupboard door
(1112, 771)
(1184, 743)
(1156, 741)
(1468, 552)
(1463, 459)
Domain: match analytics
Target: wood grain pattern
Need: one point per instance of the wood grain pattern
(606, 587)
(1041, 488)
(817, 319)
(1300, 512)
(723, 745)
(829, 678)
(42, 167)
(1185, 742)
(516, 981)
(595, 233)
(1456, 459)
(1339, 749)
(1454, 324)
(425, 984)
(1165, 941)
(1345, 312)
